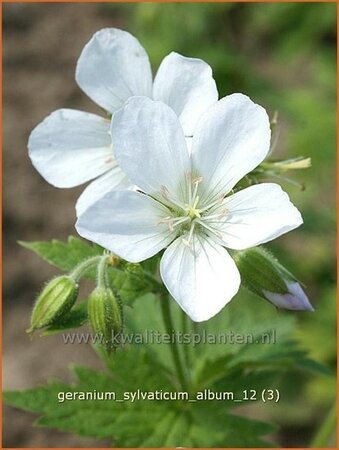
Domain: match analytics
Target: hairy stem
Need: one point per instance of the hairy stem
(102, 272)
(81, 268)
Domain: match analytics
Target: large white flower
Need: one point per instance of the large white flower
(185, 201)
(72, 147)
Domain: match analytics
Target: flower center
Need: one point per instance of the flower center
(189, 217)
(192, 210)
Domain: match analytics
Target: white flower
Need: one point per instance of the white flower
(184, 204)
(72, 147)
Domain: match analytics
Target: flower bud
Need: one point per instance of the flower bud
(55, 300)
(294, 299)
(105, 316)
(292, 164)
(263, 275)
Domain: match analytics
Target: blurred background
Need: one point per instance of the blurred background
(283, 56)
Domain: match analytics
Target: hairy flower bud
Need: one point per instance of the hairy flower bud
(263, 275)
(55, 300)
(105, 316)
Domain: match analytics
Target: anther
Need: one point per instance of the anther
(188, 176)
(167, 196)
(164, 220)
(164, 192)
(197, 180)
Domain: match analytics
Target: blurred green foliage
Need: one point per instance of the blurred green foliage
(283, 55)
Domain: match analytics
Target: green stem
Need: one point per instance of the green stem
(328, 427)
(187, 354)
(81, 268)
(102, 272)
(166, 314)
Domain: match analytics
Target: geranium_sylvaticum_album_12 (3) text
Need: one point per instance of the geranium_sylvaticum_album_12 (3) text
(185, 201)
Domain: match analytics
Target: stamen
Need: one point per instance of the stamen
(220, 199)
(219, 215)
(197, 180)
(167, 196)
(189, 183)
(164, 192)
(195, 198)
(188, 240)
(212, 230)
(164, 220)
(173, 222)
(196, 201)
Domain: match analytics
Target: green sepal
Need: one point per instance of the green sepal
(74, 318)
(55, 300)
(105, 316)
(261, 272)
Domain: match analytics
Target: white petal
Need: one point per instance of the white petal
(127, 223)
(187, 86)
(231, 138)
(202, 279)
(114, 179)
(112, 67)
(256, 215)
(71, 147)
(150, 146)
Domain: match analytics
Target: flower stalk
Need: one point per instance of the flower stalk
(80, 270)
(102, 272)
(167, 318)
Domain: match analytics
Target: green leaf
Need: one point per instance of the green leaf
(144, 319)
(63, 255)
(228, 430)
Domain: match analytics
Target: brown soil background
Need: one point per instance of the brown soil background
(41, 44)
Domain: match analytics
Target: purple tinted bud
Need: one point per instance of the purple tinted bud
(295, 299)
